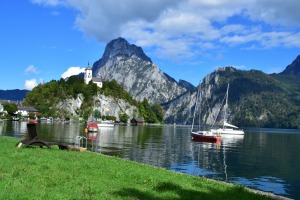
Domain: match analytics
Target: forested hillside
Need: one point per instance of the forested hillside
(255, 99)
(47, 98)
(260, 100)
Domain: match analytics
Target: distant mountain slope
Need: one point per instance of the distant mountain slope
(186, 85)
(256, 99)
(14, 95)
(129, 66)
(293, 68)
(291, 85)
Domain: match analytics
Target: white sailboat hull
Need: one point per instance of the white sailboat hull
(228, 131)
(105, 125)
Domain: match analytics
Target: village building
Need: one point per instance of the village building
(137, 122)
(88, 76)
(24, 111)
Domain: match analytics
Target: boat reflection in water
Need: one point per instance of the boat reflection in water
(98, 140)
(229, 141)
(209, 158)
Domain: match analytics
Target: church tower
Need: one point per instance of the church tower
(88, 74)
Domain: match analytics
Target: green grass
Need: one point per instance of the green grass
(34, 173)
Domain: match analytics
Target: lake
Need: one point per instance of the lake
(263, 159)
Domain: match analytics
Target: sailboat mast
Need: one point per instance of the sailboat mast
(199, 107)
(226, 105)
(196, 106)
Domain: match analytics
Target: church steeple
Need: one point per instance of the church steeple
(88, 74)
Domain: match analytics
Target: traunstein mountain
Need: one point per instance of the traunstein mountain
(129, 66)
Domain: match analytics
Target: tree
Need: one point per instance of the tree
(158, 111)
(124, 117)
(31, 115)
(97, 114)
(146, 111)
(10, 108)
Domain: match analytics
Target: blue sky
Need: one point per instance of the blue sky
(44, 40)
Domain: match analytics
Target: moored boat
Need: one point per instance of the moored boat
(16, 119)
(32, 120)
(92, 127)
(202, 135)
(106, 124)
(205, 136)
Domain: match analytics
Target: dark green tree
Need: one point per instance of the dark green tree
(146, 111)
(123, 117)
(97, 114)
(10, 108)
(158, 111)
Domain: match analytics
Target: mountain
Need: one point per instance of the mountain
(13, 95)
(256, 99)
(134, 70)
(186, 85)
(293, 68)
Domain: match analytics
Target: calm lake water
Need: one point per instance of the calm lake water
(263, 159)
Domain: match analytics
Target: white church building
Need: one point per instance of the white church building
(88, 76)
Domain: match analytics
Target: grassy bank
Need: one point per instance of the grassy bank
(35, 173)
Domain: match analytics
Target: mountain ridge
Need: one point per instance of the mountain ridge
(255, 99)
(13, 95)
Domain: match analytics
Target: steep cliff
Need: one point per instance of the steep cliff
(107, 106)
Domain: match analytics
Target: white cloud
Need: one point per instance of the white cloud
(264, 39)
(174, 28)
(30, 84)
(72, 71)
(31, 70)
(285, 13)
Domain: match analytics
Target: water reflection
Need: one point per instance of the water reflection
(59, 131)
(13, 128)
(226, 163)
(264, 183)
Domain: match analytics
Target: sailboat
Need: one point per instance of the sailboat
(227, 127)
(202, 135)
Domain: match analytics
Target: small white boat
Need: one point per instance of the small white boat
(228, 129)
(106, 124)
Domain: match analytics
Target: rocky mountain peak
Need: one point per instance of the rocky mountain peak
(129, 66)
(120, 47)
(293, 68)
